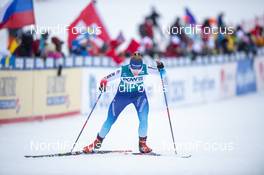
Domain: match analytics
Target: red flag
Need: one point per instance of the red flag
(132, 47)
(118, 41)
(112, 53)
(90, 20)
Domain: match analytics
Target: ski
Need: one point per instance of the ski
(158, 154)
(184, 155)
(75, 153)
(146, 154)
(124, 152)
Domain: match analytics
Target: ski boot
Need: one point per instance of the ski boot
(93, 146)
(143, 148)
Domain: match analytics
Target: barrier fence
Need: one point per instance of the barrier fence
(37, 95)
(32, 90)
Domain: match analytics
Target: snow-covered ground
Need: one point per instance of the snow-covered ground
(224, 137)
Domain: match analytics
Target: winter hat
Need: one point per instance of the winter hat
(136, 61)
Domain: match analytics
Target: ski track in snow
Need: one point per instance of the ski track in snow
(236, 122)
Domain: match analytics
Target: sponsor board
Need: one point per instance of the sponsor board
(183, 86)
(259, 69)
(39, 94)
(16, 94)
(211, 83)
(227, 80)
(56, 94)
(245, 77)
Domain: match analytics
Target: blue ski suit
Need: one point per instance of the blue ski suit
(130, 91)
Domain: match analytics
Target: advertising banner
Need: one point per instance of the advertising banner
(56, 94)
(259, 69)
(186, 85)
(245, 78)
(16, 94)
(227, 75)
(36, 95)
(183, 85)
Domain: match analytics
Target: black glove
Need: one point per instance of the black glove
(160, 65)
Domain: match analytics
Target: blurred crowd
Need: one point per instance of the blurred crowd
(154, 40)
(228, 39)
(28, 45)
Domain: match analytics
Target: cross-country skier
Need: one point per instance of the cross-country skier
(130, 90)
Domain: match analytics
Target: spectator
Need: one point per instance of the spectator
(147, 46)
(173, 49)
(50, 51)
(43, 43)
(220, 20)
(146, 29)
(25, 48)
(58, 45)
(154, 16)
(80, 45)
(257, 35)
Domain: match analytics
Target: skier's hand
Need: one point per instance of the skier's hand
(160, 65)
(103, 84)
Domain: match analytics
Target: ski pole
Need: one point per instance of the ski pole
(87, 120)
(168, 112)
